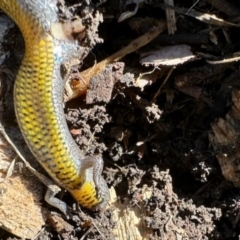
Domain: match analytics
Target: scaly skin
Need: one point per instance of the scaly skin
(38, 103)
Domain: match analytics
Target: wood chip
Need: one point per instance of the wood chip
(20, 213)
(129, 221)
(225, 140)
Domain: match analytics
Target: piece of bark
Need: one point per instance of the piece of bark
(20, 214)
(129, 221)
(225, 138)
(20, 211)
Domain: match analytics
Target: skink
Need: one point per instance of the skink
(38, 95)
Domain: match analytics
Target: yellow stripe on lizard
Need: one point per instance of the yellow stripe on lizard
(38, 95)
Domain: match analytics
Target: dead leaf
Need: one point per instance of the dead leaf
(169, 56)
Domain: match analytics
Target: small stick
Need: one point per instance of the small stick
(81, 87)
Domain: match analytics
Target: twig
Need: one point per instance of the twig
(80, 88)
